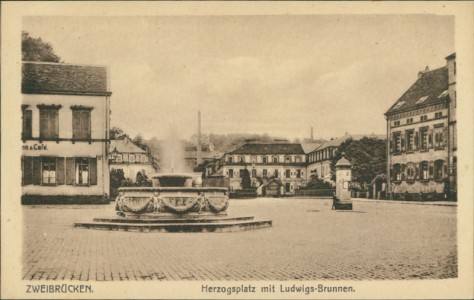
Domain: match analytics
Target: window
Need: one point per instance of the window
(49, 123)
(288, 159)
(423, 118)
(287, 173)
(438, 169)
(397, 172)
(82, 171)
(254, 159)
(48, 167)
(241, 159)
(81, 124)
(396, 123)
(264, 159)
(132, 158)
(231, 173)
(143, 158)
(275, 159)
(287, 187)
(410, 171)
(241, 173)
(399, 104)
(298, 159)
(230, 159)
(298, 173)
(254, 173)
(438, 137)
(410, 140)
(397, 142)
(424, 138)
(27, 124)
(125, 157)
(424, 170)
(276, 173)
(409, 120)
(264, 172)
(443, 94)
(438, 115)
(118, 158)
(422, 99)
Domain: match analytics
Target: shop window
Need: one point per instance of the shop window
(49, 123)
(82, 175)
(81, 124)
(48, 170)
(27, 124)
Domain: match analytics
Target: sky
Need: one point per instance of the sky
(280, 74)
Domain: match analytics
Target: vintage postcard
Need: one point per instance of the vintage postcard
(240, 150)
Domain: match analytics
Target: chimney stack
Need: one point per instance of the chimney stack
(199, 156)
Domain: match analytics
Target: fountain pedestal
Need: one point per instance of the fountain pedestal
(166, 207)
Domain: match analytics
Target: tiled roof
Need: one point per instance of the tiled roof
(125, 146)
(427, 90)
(268, 148)
(55, 78)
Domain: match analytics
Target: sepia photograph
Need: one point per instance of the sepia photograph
(237, 155)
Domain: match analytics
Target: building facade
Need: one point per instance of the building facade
(421, 131)
(65, 120)
(281, 160)
(126, 156)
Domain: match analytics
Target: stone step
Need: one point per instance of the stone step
(173, 220)
(179, 227)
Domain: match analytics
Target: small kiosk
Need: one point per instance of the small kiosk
(342, 198)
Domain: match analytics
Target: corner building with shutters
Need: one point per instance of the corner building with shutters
(421, 137)
(65, 133)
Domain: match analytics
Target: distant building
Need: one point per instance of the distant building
(280, 159)
(208, 154)
(421, 130)
(130, 158)
(320, 158)
(65, 131)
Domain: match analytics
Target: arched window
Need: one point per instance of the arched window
(438, 169)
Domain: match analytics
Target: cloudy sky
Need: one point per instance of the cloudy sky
(253, 74)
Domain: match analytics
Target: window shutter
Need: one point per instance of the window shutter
(431, 169)
(93, 170)
(403, 171)
(445, 136)
(60, 174)
(70, 170)
(430, 138)
(418, 171)
(36, 173)
(416, 140)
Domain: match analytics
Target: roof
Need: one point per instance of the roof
(343, 162)
(268, 148)
(428, 89)
(66, 79)
(125, 146)
(310, 147)
(338, 141)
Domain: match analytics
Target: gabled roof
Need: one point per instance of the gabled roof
(427, 90)
(56, 78)
(125, 146)
(268, 148)
(338, 141)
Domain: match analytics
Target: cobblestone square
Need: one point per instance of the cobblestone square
(308, 241)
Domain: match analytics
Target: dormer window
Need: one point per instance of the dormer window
(443, 94)
(422, 99)
(399, 104)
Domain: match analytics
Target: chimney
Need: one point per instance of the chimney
(312, 137)
(199, 157)
(420, 74)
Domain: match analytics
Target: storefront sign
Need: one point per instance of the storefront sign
(35, 147)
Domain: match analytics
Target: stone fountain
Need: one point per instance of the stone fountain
(175, 203)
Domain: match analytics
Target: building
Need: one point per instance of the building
(131, 159)
(279, 159)
(421, 131)
(319, 159)
(65, 120)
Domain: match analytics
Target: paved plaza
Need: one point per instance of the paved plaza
(308, 241)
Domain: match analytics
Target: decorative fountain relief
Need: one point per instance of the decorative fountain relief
(175, 203)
